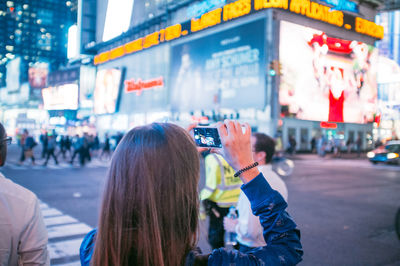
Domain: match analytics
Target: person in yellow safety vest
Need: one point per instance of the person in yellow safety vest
(221, 191)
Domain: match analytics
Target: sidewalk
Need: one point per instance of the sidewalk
(314, 156)
(14, 153)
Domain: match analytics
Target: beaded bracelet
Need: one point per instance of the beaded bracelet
(245, 169)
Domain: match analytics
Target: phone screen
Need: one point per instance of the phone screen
(207, 137)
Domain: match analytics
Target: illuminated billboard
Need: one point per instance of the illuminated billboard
(63, 97)
(118, 18)
(108, 82)
(37, 75)
(13, 75)
(225, 69)
(87, 82)
(326, 78)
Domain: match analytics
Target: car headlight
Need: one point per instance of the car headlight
(371, 154)
(392, 155)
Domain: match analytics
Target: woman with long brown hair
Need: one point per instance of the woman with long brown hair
(150, 205)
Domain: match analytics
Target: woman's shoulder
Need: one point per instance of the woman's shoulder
(86, 249)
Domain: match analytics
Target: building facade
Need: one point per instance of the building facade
(296, 67)
(35, 31)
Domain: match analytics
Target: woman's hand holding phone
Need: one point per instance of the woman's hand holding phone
(236, 147)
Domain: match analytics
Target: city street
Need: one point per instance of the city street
(344, 208)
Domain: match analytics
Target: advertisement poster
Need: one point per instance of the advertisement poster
(146, 81)
(37, 75)
(87, 81)
(222, 70)
(13, 76)
(326, 78)
(108, 82)
(63, 97)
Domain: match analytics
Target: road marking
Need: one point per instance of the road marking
(63, 249)
(59, 227)
(62, 165)
(68, 230)
(43, 206)
(51, 212)
(57, 220)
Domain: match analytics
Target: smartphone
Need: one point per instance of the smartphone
(207, 137)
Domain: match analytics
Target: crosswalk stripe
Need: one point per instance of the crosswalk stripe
(57, 220)
(43, 206)
(59, 226)
(51, 212)
(63, 249)
(68, 230)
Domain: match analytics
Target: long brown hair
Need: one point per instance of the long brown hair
(149, 210)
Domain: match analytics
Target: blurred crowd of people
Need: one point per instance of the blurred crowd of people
(69, 148)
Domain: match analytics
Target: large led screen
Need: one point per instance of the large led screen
(63, 97)
(13, 75)
(224, 69)
(107, 89)
(326, 78)
(37, 75)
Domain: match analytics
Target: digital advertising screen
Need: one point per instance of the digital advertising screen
(62, 97)
(108, 83)
(13, 75)
(87, 82)
(37, 75)
(224, 69)
(326, 78)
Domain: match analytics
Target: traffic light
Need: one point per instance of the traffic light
(272, 71)
(275, 68)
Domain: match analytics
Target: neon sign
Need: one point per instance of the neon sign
(241, 8)
(139, 85)
(203, 7)
(328, 125)
(342, 5)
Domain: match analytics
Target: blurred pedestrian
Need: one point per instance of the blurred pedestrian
(85, 149)
(321, 146)
(337, 147)
(68, 145)
(278, 144)
(248, 228)
(52, 143)
(27, 144)
(118, 138)
(349, 145)
(62, 144)
(149, 212)
(378, 143)
(43, 139)
(77, 145)
(358, 146)
(313, 144)
(106, 147)
(96, 145)
(221, 191)
(23, 238)
(292, 145)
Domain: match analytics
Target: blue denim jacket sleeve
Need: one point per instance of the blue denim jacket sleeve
(86, 249)
(280, 233)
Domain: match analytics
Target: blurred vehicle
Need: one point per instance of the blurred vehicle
(282, 166)
(388, 153)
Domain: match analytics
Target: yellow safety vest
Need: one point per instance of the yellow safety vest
(221, 186)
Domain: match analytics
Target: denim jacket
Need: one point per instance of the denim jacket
(280, 233)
